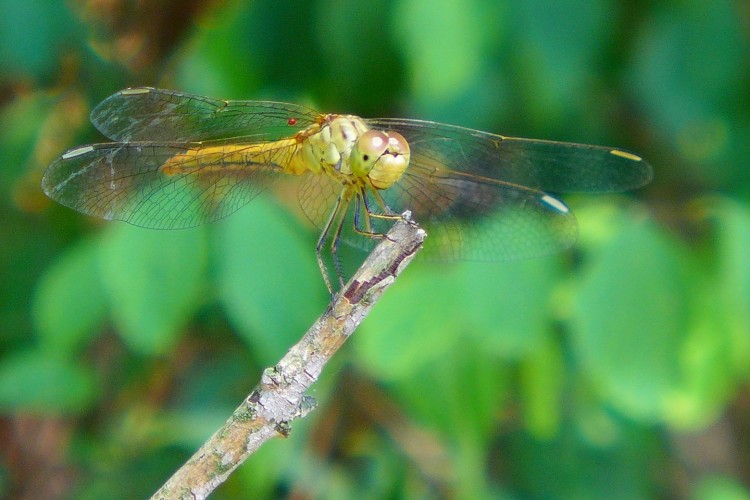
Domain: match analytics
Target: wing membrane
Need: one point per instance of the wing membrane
(544, 165)
(467, 217)
(148, 114)
(480, 219)
(183, 159)
(158, 185)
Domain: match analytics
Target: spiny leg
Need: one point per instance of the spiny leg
(335, 214)
(369, 214)
(335, 249)
(387, 212)
(367, 230)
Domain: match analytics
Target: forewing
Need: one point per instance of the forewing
(128, 182)
(543, 165)
(148, 114)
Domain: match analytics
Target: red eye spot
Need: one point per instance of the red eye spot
(292, 121)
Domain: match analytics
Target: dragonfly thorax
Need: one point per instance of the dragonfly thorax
(344, 146)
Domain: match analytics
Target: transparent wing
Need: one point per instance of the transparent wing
(472, 218)
(317, 196)
(483, 196)
(148, 114)
(466, 217)
(543, 165)
(158, 185)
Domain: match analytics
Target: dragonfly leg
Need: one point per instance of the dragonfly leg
(333, 219)
(369, 214)
(367, 230)
(335, 251)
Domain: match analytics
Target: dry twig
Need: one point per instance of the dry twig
(280, 396)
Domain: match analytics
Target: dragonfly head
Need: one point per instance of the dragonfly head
(380, 156)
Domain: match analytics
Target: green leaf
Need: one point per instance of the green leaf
(279, 61)
(356, 53)
(276, 458)
(463, 388)
(557, 44)
(459, 395)
(21, 120)
(733, 276)
(42, 382)
(33, 52)
(153, 280)
(630, 318)
(716, 350)
(415, 322)
(269, 282)
(503, 307)
(507, 305)
(69, 303)
(209, 66)
(542, 384)
(687, 65)
(569, 466)
(443, 42)
(706, 358)
(715, 486)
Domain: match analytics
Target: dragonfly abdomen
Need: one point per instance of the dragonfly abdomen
(228, 157)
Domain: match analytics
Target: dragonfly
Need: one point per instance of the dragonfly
(179, 160)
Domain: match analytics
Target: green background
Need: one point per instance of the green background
(618, 369)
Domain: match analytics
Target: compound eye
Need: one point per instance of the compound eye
(397, 144)
(371, 145)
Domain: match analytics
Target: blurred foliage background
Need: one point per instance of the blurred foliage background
(618, 370)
